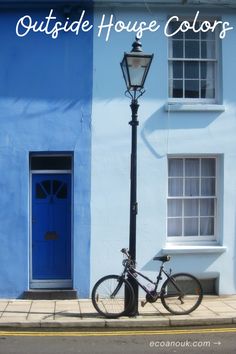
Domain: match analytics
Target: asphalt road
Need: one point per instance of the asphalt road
(194, 340)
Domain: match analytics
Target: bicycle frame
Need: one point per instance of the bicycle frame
(132, 272)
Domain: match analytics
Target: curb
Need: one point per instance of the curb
(120, 323)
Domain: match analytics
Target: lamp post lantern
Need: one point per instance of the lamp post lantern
(135, 66)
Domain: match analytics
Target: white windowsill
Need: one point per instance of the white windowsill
(193, 107)
(175, 249)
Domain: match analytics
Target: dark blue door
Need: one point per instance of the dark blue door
(51, 226)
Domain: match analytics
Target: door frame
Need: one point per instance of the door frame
(51, 283)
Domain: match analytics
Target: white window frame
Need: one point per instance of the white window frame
(195, 240)
(214, 100)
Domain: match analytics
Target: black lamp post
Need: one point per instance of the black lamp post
(135, 66)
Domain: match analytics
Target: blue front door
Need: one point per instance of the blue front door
(51, 226)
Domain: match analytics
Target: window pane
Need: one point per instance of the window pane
(51, 163)
(206, 226)
(47, 186)
(174, 207)
(192, 35)
(175, 167)
(192, 49)
(174, 227)
(192, 70)
(191, 88)
(207, 207)
(191, 187)
(175, 187)
(207, 71)
(209, 35)
(208, 50)
(191, 207)
(178, 49)
(59, 189)
(40, 194)
(55, 186)
(62, 194)
(177, 69)
(208, 187)
(207, 89)
(191, 227)
(192, 167)
(178, 88)
(208, 167)
(173, 28)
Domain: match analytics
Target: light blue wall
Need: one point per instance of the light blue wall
(45, 105)
(160, 134)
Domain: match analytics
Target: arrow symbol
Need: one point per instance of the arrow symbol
(218, 343)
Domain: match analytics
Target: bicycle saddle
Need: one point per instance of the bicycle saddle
(162, 258)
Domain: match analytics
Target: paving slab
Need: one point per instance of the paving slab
(230, 303)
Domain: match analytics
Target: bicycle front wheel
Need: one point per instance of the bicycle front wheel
(181, 293)
(113, 296)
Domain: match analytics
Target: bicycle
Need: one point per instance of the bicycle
(113, 295)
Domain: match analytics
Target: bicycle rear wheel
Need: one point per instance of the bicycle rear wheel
(112, 296)
(181, 293)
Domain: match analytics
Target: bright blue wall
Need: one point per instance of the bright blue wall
(45, 105)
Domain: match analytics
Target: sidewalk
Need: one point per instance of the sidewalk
(214, 310)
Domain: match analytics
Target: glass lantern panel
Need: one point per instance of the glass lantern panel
(124, 68)
(138, 67)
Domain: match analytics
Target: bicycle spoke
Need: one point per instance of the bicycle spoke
(181, 294)
(108, 296)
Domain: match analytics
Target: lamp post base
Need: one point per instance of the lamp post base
(134, 310)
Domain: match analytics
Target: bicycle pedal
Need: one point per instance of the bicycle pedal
(143, 303)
